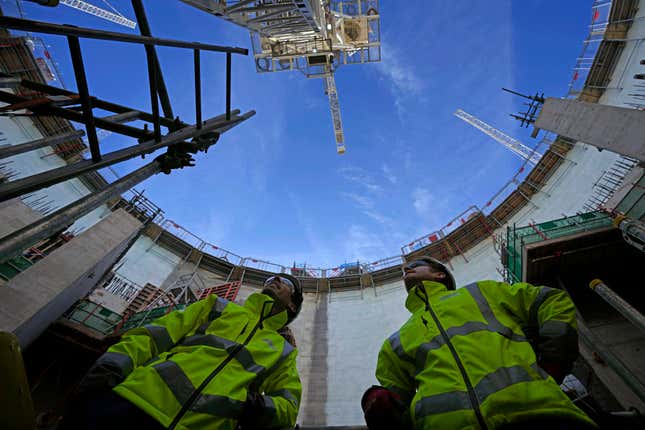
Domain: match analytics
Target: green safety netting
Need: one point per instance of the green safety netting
(13, 266)
(517, 238)
(105, 321)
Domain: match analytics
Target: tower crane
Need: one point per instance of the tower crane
(115, 16)
(315, 37)
(86, 7)
(514, 145)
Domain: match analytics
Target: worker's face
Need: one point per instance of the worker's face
(281, 289)
(417, 271)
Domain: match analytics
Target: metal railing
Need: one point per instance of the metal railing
(518, 237)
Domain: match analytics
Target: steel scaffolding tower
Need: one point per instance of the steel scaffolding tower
(514, 145)
(312, 36)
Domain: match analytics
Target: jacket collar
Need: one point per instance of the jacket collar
(421, 293)
(261, 305)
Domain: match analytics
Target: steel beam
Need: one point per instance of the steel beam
(144, 28)
(228, 86)
(100, 103)
(618, 303)
(35, 182)
(84, 93)
(22, 239)
(39, 143)
(154, 100)
(198, 88)
(88, 33)
(72, 115)
(123, 117)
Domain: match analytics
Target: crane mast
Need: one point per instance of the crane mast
(514, 145)
(314, 37)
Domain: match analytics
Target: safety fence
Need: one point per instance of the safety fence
(600, 11)
(518, 237)
(104, 321)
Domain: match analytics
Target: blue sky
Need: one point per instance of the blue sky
(274, 188)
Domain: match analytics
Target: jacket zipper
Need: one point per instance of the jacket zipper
(209, 378)
(471, 391)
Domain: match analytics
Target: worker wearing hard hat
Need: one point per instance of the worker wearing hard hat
(214, 365)
(486, 356)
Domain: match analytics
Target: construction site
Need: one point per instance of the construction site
(85, 257)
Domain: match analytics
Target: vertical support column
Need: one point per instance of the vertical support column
(154, 99)
(228, 86)
(198, 89)
(83, 92)
(144, 27)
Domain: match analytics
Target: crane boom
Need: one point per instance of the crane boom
(514, 145)
(101, 13)
(334, 105)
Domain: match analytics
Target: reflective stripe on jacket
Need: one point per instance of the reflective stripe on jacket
(236, 348)
(463, 360)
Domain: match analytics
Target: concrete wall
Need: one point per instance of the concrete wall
(19, 130)
(146, 262)
(618, 129)
(14, 215)
(357, 328)
(108, 300)
(39, 295)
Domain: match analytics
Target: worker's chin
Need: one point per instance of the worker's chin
(269, 292)
(410, 282)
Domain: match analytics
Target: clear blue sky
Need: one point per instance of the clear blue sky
(274, 188)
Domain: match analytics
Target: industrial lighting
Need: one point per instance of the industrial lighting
(328, 26)
(315, 50)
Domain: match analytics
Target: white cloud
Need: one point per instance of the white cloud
(389, 174)
(378, 217)
(422, 201)
(361, 177)
(360, 200)
(363, 245)
(404, 83)
(368, 207)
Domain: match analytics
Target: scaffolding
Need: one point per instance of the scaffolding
(40, 100)
(609, 182)
(604, 44)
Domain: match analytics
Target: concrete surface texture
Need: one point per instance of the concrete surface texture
(19, 130)
(618, 129)
(14, 215)
(40, 294)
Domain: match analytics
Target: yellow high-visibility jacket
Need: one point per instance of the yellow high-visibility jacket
(196, 366)
(463, 360)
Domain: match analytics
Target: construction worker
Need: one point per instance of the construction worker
(486, 356)
(214, 365)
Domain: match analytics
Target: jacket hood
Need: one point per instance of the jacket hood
(261, 304)
(418, 294)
